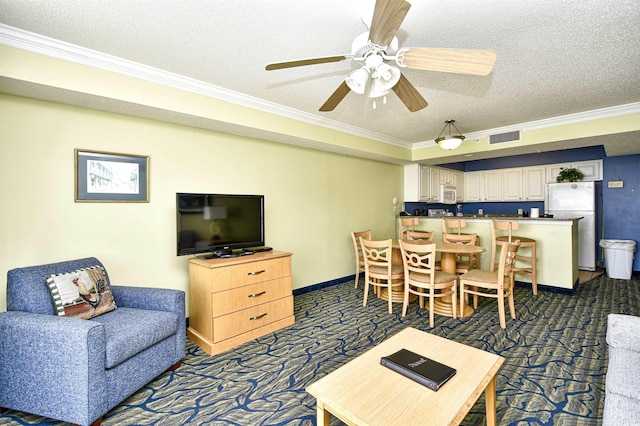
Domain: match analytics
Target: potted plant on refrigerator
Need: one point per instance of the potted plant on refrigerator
(569, 175)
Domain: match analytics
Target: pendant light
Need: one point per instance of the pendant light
(451, 141)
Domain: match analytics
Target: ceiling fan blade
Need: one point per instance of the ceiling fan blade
(303, 62)
(409, 95)
(336, 97)
(461, 61)
(387, 18)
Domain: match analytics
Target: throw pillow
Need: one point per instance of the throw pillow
(84, 293)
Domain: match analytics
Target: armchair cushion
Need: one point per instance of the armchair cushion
(130, 331)
(83, 293)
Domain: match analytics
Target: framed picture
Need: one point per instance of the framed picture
(111, 177)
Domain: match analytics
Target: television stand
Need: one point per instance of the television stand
(233, 301)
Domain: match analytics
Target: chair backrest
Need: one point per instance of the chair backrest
(507, 260)
(419, 235)
(418, 259)
(460, 238)
(503, 225)
(355, 236)
(377, 253)
(408, 222)
(27, 288)
(454, 224)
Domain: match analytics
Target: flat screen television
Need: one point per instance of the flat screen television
(219, 223)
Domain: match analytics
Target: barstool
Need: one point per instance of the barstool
(406, 221)
(509, 226)
(453, 226)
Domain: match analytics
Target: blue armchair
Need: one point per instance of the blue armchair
(76, 370)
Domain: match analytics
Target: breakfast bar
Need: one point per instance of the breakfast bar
(557, 244)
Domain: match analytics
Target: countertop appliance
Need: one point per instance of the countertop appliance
(437, 212)
(448, 194)
(576, 200)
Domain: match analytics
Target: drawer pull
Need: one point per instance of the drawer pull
(257, 294)
(256, 272)
(258, 317)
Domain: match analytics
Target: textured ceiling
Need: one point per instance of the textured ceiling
(554, 57)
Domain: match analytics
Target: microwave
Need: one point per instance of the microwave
(448, 194)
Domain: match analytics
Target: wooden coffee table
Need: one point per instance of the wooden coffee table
(363, 392)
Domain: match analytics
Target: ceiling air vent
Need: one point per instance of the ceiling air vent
(504, 137)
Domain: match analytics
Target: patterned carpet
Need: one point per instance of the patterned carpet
(554, 373)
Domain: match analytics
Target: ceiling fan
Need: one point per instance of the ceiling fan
(380, 45)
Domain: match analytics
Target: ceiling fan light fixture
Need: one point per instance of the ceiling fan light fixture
(388, 75)
(357, 80)
(450, 141)
(378, 89)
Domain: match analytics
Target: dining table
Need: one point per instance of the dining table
(448, 261)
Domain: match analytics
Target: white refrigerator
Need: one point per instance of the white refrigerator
(574, 200)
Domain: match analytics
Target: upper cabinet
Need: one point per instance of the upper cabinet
(493, 185)
(474, 186)
(592, 170)
(422, 183)
(512, 185)
(533, 183)
(483, 186)
(416, 182)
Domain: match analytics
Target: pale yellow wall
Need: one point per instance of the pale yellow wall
(313, 199)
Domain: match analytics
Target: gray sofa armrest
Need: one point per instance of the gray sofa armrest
(622, 386)
(47, 361)
(623, 332)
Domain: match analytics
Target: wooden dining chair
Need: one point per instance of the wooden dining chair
(464, 262)
(406, 223)
(379, 270)
(355, 236)
(495, 284)
(422, 279)
(529, 263)
(419, 235)
(455, 226)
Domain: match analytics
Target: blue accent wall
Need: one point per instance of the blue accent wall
(621, 206)
(553, 157)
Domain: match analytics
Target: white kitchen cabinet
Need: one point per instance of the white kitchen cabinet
(434, 184)
(412, 182)
(512, 184)
(553, 170)
(492, 185)
(417, 183)
(473, 186)
(534, 183)
(458, 181)
(592, 170)
(425, 183)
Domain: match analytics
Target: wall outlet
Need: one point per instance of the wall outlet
(615, 184)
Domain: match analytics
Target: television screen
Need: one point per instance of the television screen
(215, 222)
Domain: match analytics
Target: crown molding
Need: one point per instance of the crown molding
(579, 117)
(26, 40)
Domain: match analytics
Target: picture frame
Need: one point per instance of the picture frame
(111, 177)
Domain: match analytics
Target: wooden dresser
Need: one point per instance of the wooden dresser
(235, 300)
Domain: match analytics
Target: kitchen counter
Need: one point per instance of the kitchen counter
(498, 217)
(557, 244)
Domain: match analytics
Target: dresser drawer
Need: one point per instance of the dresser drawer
(231, 325)
(250, 273)
(225, 302)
